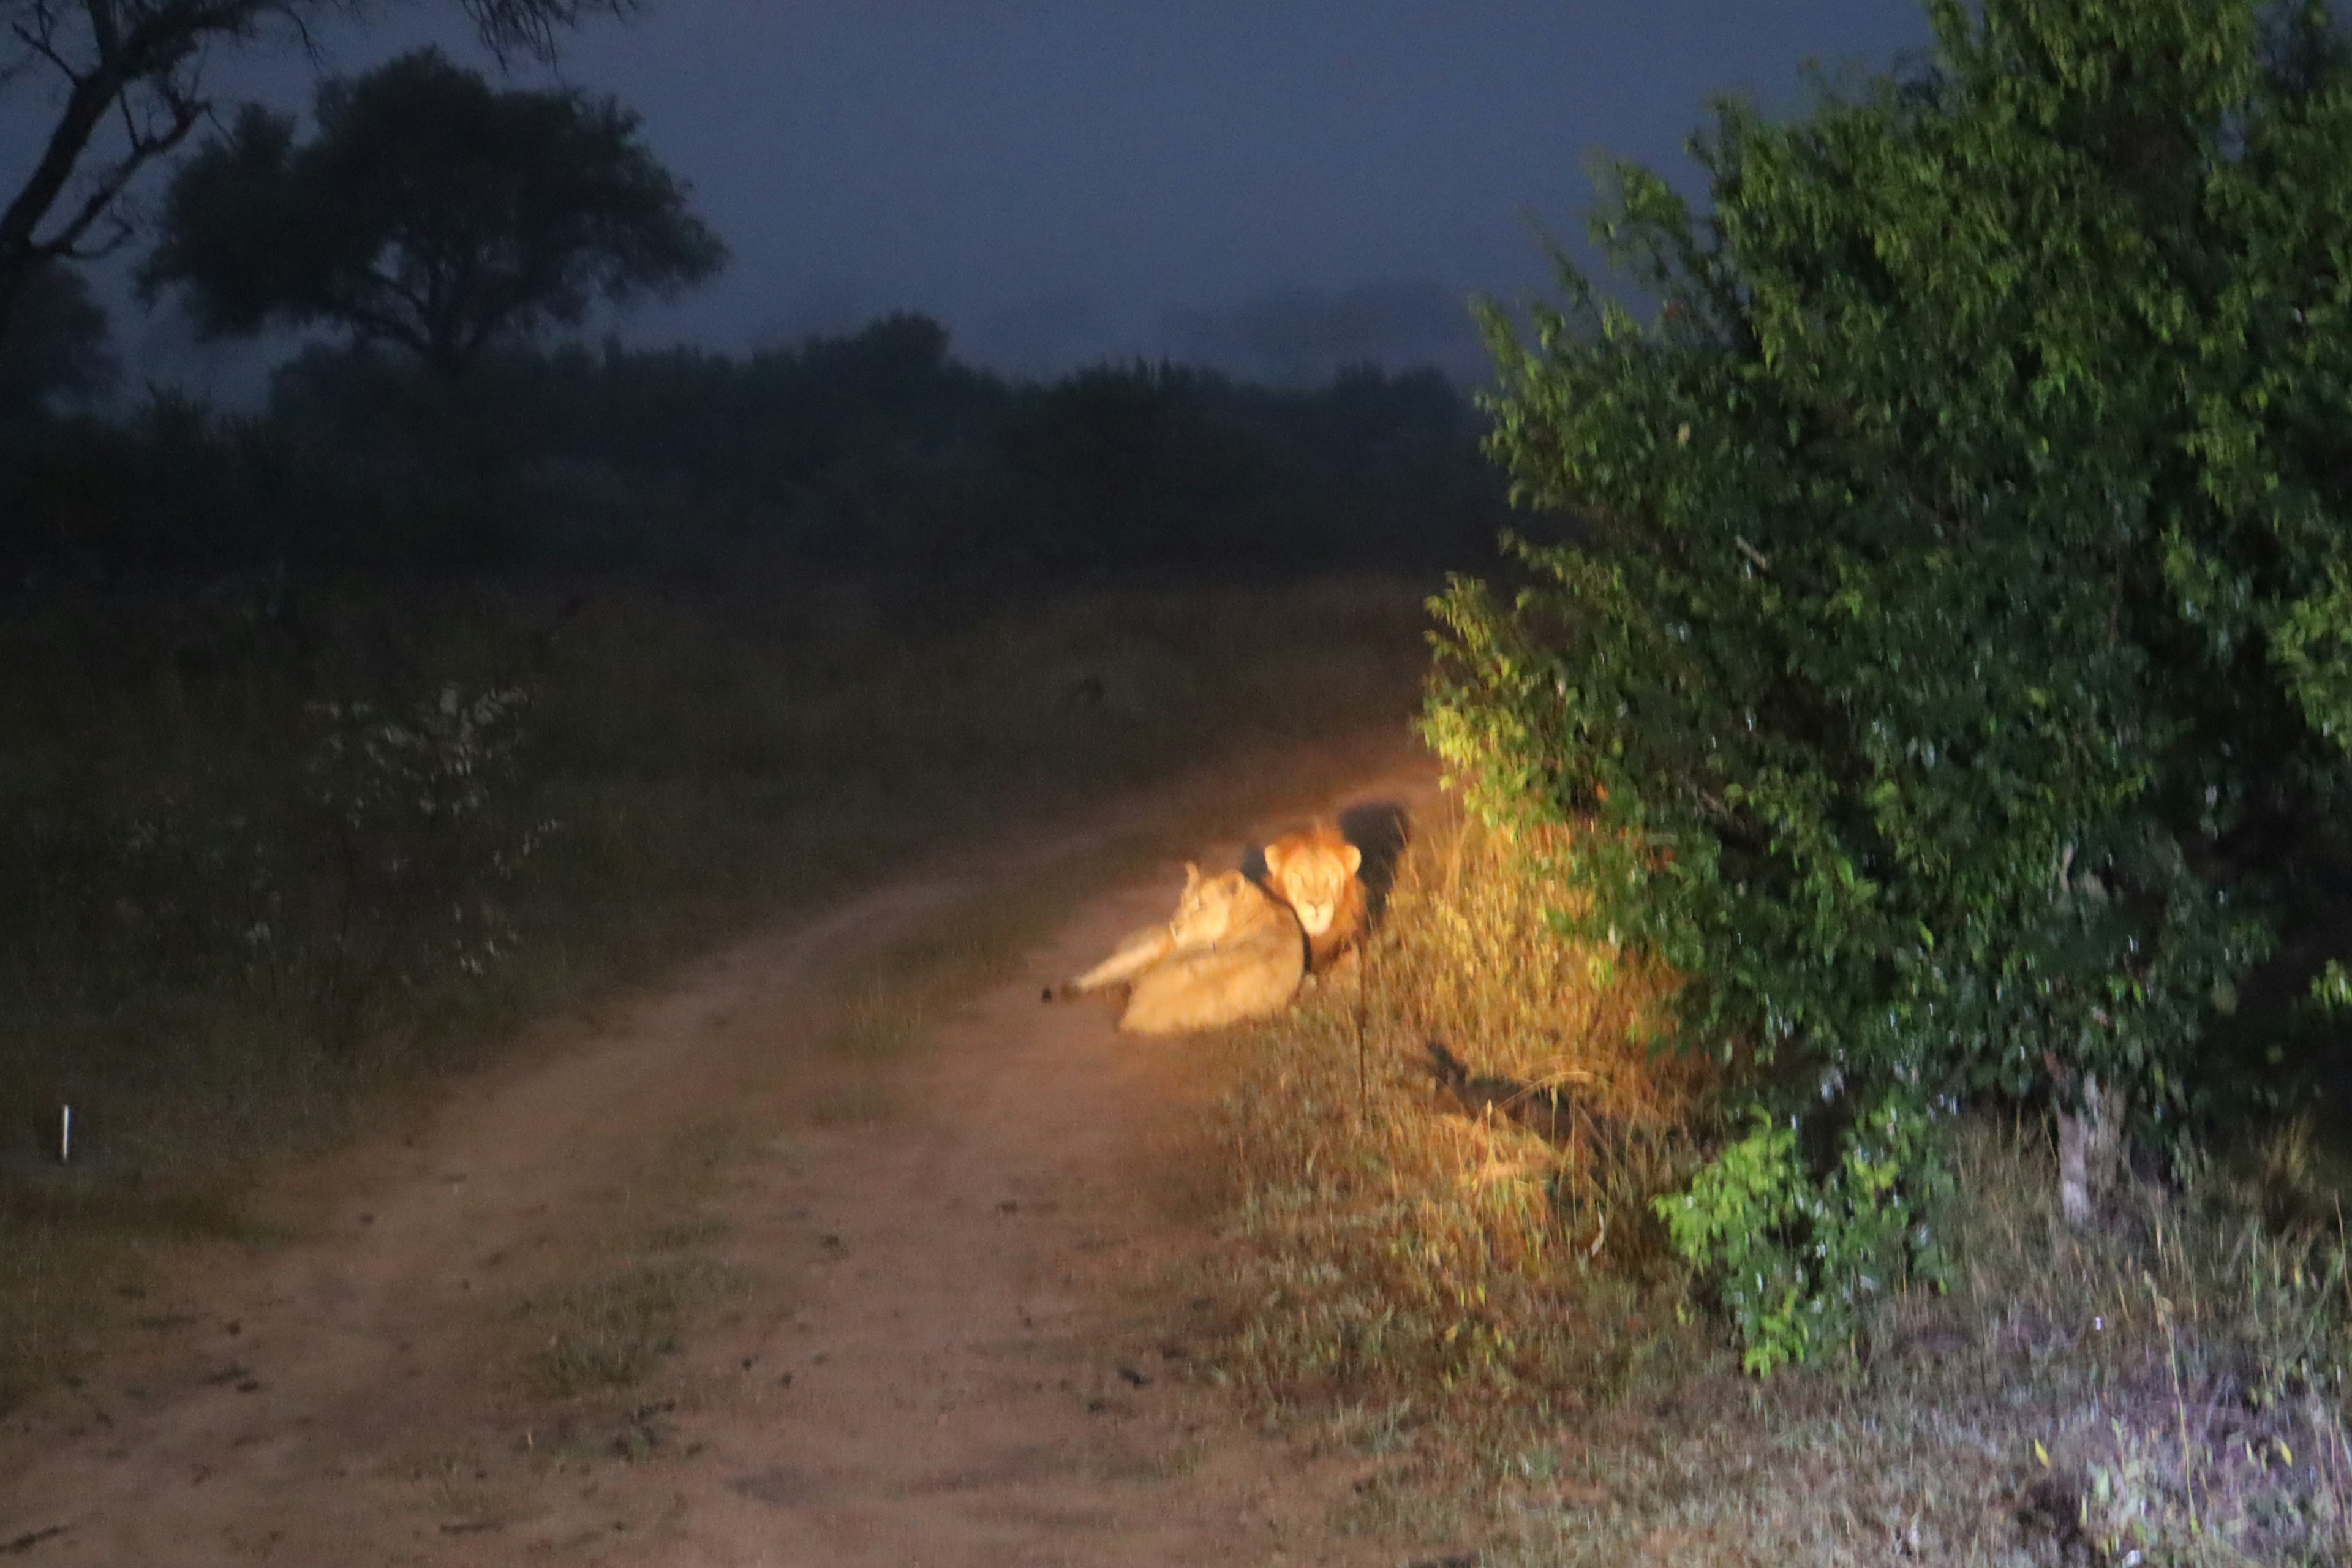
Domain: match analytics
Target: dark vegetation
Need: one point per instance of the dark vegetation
(123, 86)
(323, 770)
(432, 211)
(475, 676)
(875, 453)
(439, 227)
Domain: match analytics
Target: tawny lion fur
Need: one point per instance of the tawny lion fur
(1231, 951)
(1314, 871)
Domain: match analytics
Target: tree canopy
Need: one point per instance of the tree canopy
(431, 211)
(128, 76)
(58, 349)
(1958, 674)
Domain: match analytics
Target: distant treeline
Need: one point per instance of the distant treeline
(875, 452)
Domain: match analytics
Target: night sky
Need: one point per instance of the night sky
(1273, 186)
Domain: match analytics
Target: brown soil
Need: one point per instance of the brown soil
(952, 1342)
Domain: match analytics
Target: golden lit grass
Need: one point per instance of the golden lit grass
(1499, 1314)
(1392, 1259)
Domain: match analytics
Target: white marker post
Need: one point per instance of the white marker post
(65, 1134)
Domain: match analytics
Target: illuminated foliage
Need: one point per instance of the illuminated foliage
(1954, 671)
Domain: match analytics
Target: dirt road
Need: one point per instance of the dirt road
(914, 1298)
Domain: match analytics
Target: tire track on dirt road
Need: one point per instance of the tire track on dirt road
(940, 1354)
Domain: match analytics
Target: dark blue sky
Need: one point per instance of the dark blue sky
(1271, 185)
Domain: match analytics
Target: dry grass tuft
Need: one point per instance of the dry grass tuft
(610, 1333)
(1395, 1260)
(638, 1290)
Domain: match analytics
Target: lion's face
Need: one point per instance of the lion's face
(1312, 873)
(1206, 913)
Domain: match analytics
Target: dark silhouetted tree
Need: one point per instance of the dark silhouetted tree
(59, 348)
(431, 211)
(127, 80)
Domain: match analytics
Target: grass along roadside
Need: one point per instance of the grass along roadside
(2168, 1390)
(1495, 1313)
(1398, 1269)
(238, 939)
(606, 1321)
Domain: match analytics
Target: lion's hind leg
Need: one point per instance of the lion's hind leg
(1136, 953)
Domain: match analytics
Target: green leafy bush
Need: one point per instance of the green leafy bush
(1952, 673)
(1795, 1256)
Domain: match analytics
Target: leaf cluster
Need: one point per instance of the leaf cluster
(1954, 676)
(137, 67)
(1798, 1255)
(431, 211)
(57, 347)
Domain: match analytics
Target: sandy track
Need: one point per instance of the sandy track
(942, 1355)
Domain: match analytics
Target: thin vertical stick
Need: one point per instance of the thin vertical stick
(1364, 1082)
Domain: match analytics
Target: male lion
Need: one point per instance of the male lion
(1314, 872)
(1231, 952)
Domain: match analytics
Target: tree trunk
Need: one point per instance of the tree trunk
(2090, 1154)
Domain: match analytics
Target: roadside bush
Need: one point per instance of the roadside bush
(1954, 673)
(247, 805)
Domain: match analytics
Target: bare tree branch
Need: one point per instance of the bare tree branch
(139, 61)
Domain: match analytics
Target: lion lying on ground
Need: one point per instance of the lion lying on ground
(1231, 951)
(1314, 871)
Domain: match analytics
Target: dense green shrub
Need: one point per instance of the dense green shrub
(1954, 675)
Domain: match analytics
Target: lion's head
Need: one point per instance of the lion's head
(1313, 872)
